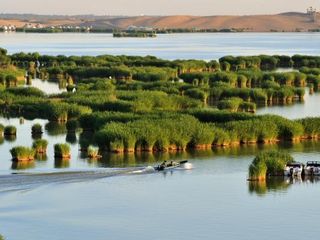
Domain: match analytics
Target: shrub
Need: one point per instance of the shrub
(22, 153)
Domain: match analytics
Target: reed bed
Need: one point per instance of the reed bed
(268, 163)
(21, 153)
(40, 146)
(62, 151)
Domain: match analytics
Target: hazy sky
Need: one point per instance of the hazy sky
(155, 7)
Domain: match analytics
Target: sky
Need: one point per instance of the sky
(156, 7)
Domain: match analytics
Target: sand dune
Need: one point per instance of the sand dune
(257, 23)
(17, 23)
(280, 22)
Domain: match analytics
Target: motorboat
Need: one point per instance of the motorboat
(293, 169)
(170, 165)
(312, 168)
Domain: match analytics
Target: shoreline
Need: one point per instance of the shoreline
(172, 33)
(206, 147)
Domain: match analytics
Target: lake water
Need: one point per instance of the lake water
(109, 199)
(308, 108)
(168, 46)
(213, 200)
(48, 87)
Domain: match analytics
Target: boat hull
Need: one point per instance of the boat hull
(312, 171)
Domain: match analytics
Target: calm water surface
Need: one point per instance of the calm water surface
(107, 199)
(309, 108)
(168, 46)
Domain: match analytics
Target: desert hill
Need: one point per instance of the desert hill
(257, 23)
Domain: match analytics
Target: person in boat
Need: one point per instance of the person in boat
(163, 165)
(170, 164)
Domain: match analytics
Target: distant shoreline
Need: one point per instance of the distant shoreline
(284, 22)
(157, 32)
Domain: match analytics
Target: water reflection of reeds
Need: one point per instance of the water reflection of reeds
(71, 138)
(278, 184)
(22, 165)
(139, 158)
(41, 157)
(61, 163)
(55, 128)
(10, 138)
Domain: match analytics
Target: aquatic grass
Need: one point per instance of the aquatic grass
(61, 111)
(55, 128)
(26, 91)
(93, 152)
(213, 115)
(221, 138)
(21, 153)
(1, 130)
(71, 137)
(231, 104)
(10, 130)
(40, 145)
(311, 126)
(36, 129)
(269, 163)
(62, 151)
(72, 125)
(202, 137)
(21, 120)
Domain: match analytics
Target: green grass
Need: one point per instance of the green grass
(72, 125)
(269, 163)
(40, 145)
(21, 153)
(62, 151)
(1, 129)
(10, 131)
(93, 152)
(36, 129)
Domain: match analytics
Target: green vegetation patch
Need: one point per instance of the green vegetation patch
(269, 163)
(21, 153)
(62, 151)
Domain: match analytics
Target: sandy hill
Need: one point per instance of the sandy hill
(263, 23)
(258, 23)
